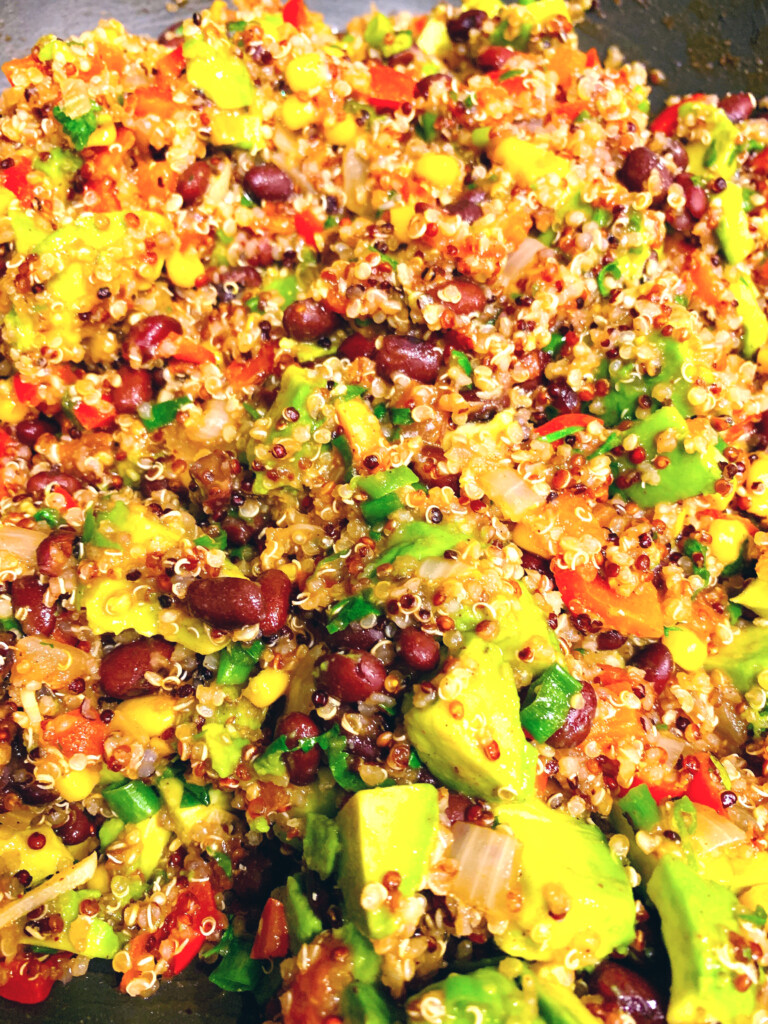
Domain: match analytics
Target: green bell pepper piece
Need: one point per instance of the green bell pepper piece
(385, 482)
(132, 800)
(164, 413)
(79, 129)
(550, 703)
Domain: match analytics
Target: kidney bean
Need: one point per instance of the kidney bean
(677, 151)
(355, 638)
(468, 209)
(457, 808)
(308, 320)
(494, 58)
(562, 396)
(41, 482)
(275, 601)
(352, 677)
(30, 431)
(238, 531)
(460, 26)
(630, 992)
(215, 475)
(55, 551)
(738, 106)
(76, 829)
(134, 389)
(123, 670)
(419, 650)
(535, 563)
(656, 663)
(578, 722)
(147, 335)
(170, 36)
(637, 172)
(402, 58)
(225, 602)
(609, 640)
(162, 483)
(426, 466)
(31, 792)
(695, 197)
(265, 181)
(471, 296)
(424, 84)
(302, 765)
(193, 182)
(29, 607)
(417, 359)
(357, 347)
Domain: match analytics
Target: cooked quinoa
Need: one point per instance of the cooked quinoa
(383, 482)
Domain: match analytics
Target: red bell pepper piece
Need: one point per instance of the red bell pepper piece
(390, 89)
(28, 394)
(91, 417)
(73, 733)
(666, 121)
(272, 934)
(307, 226)
(29, 983)
(706, 787)
(185, 956)
(638, 614)
(577, 420)
(170, 67)
(15, 179)
(295, 13)
(69, 501)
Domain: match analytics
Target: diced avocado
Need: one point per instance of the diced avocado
(186, 818)
(303, 922)
(296, 387)
(686, 476)
(225, 747)
(744, 658)
(755, 597)
(484, 995)
(109, 831)
(696, 918)
(363, 1003)
(717, 159)
(465, 744)
(91, 936)
(752, 316)
(560, 1005)
(733, 228)
(390, 829)
(17, 855)
(321, 844)
(434, 39)
(366, 962)
(152, 840)
(590, 880)
(219, 73)
(418, 540)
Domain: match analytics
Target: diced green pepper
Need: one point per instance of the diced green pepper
(133, 800)
(351, 609)
(79, 129)
(386, 481)
(164, 413)
(377, 510)
(237, 663)
(548, 709)
(236, 972)
(303, 922)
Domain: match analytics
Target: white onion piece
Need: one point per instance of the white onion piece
(672, 745)
(509, 491)
(355, 175)
(487, 866)
(18, 546)
(714, 831)
(439, 568)
(64, 881)
(519, 259)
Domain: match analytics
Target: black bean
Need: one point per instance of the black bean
(417, 359)
(738, 106)
(239, 531)
(562, 396)
(643, 170)
(193, 182)
(76, 829)
(695, 196)
(123, 670)
(28, 599)
(460, 26)
(419, 650)
(308, 320)
(30, 431)
(578, 722)
(357, 347)
(458, 806)
(610, 640)
(303, 764)
(171, 35)
(265, 181)
(355, 638)
(678, 152)
(225, 602)
(275, 601)
(466, 208)
(656, 663)
(134, 389)
(353, 677)
(629, 992)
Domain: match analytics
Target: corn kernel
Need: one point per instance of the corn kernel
(297, 114)
(728, 536)
(757, 486)
(11, 409)
(527, 162)
(184, 268)
(144, 716)
(440, 169)
(307, 73)
(401, 217)
(266, 687)
(341, 133)
(104, 135)
(75, 786)
(687, 650)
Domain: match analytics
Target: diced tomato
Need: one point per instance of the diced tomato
(242, 374)
(152, 101)
(191, 352)
(5, 439)
(638, 614)
(666, 121)
(170, 66)
(186, 955)
(21, 66)
(708, 285)
(706, 787)
(15, 179)
(31, 980)
(92, 417)
(73, 733)
(27, 393)
(593, 58)
(307, 226)
(69, 501)
(577, 420)
(272, 934)
(295, 13)
(390, 89)
(567, 62)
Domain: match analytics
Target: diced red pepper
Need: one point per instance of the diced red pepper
(190, 352)
(295, 13)
(593, 58)
(28, 394)
(272, 934)
(30, 982)
(152, 101)
(92, 417)
(577, 420)
(73, 733)
(15, 179)
(307, 226)
(5, 439)
(185, 956)
(242, 374)
(16, 68)
(638, 614)
(170, 66)
(666, 121)
(390, 89)
(69, 501)
(706, 787)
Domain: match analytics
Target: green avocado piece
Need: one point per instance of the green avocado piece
(219, 73)
(465, 747)
(390, 829)
(733, 228)
(560, 1005)
(366, 962)
(752, 316)
(686, 476)
(601, 907)
(718, 158)
(321, 844)
(101, 943)
(362, 1003)
(485, 996)
(744, 658)
(185, 818)
(303, 922)
(418, 540)
(696, 917)
(296, 387)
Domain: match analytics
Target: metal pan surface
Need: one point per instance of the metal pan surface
(700, 45)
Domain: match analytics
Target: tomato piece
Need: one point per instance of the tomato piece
(295, 13)
(593, 58)
(708, 285)
(92, 417)
(5, 439)
(28, 394)
(577, 420)
(15, 179)
(706, 786)
(69, 501)
(152, 101)
(638, 614)
(73, 734)
(30, 982)
(186, 955)
(18, 67)
(272, 934)
(240, 374)
(171, 65)
(666, 121)
(307, 226)
(390, 89)
(190, 352)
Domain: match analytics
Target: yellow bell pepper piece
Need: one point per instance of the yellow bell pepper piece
(440, 169)
(687, 650)
(266, 687)
(77, 785)
(527, 162)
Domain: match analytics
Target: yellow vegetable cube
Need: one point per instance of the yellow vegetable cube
(728, 536)
(184, 268)
(11, 409)
(234, 128)
(687, 650)
(104, 135)
(16, 854)
(340, 133)
(362, 429)
(77, 785)
(527, 162)
(266, 687)
(401, 217)
(440, 169)
(757, 486)
(297, 114)
(307, 73)
(143, 717)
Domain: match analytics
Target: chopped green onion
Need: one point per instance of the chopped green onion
(132, 800)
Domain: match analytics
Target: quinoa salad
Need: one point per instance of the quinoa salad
(383, 475)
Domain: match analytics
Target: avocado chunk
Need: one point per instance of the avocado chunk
(303, 922)
(754, 321)
(100, 942)
(186, 814)
(385, 830)
(321, 844)
(696, 918)
(295, 390)
(560, 1005)
(477, 753)
(589, 881)
(484, 995)
(744, 658)
(362, 1003)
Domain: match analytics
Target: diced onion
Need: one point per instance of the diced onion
(509, 491)
(519, 259)
(18, 547)
(439, 568)
(355, 175)
(713, 830)
(673, 746)
(64, 881)
(487, 866)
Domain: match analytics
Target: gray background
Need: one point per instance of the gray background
(701, 45)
